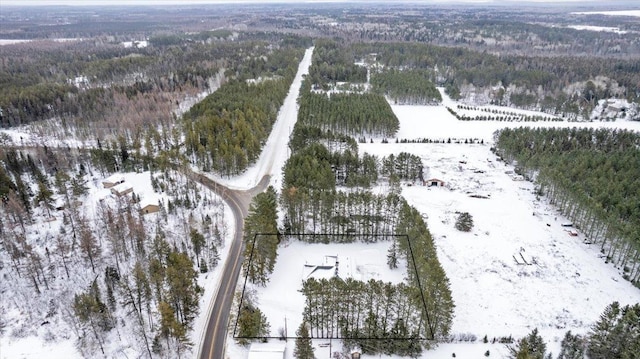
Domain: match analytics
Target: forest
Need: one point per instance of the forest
(122, 264)
(591, 176)
(527, 82)
(413, 87)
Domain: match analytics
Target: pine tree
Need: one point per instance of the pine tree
(572, 347)
(616, 334)
(392, 255)
(303, 349)
(464, 222)
(530, 347)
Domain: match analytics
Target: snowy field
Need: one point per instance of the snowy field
(517, 270)
(360, 261)
(597, 28)
(635, 13)
(435, 122)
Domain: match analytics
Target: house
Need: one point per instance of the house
(149, 207)
(270, 350)
(434, 182)
(113, 180)
(121, 189)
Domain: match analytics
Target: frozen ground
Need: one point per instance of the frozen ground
(281, 297)
(597, 28)
(435, 122)
(635, 13)
(564, 286)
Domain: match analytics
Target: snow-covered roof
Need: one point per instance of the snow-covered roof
(149, 200)
(114, 178)
(270, 350)
(121, 188)
(331, 266)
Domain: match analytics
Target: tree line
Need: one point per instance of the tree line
(591, 176)
(409, 87)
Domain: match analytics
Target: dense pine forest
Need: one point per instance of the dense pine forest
(414, 87)
(592, 177)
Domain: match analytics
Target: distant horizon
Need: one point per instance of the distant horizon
(25, 3)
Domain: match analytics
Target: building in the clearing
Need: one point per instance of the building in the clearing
(113, 180)
(434, 182)
(121, 189)
(331, 266)
(147, 207)
(270, 350)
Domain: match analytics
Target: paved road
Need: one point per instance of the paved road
(273, 155)
(215, 335)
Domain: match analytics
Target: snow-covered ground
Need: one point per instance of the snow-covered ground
(435, 122)
(57, 340)
(598, 28)
(360, 261)
(518, 269)
(635, 13)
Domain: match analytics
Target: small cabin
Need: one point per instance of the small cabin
(113, 181)
(121, 189)
(434, 182)
(149, 208)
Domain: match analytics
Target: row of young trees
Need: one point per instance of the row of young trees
(410, 87)
(591, 176)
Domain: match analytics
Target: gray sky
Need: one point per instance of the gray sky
(184, 2)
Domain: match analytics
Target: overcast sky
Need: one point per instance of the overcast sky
(184, 2)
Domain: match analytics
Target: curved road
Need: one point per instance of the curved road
(215, 334)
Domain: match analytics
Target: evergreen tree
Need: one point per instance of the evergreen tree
(252, 323)
(392, 256)
(303, 349)
(572, 347)
(616, 334)
(530, 347)
(464, 222)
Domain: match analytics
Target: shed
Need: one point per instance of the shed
(270, 350)
(121, 189)
(434, 182)
(149, 207)
(113, 180)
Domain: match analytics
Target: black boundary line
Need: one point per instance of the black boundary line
(415, 267)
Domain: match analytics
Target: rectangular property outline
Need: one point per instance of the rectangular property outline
(244, 286)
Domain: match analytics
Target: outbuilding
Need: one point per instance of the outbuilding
(270, 350)
(121, 189)
(113, 180)
(150, 207)
(434, 182)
